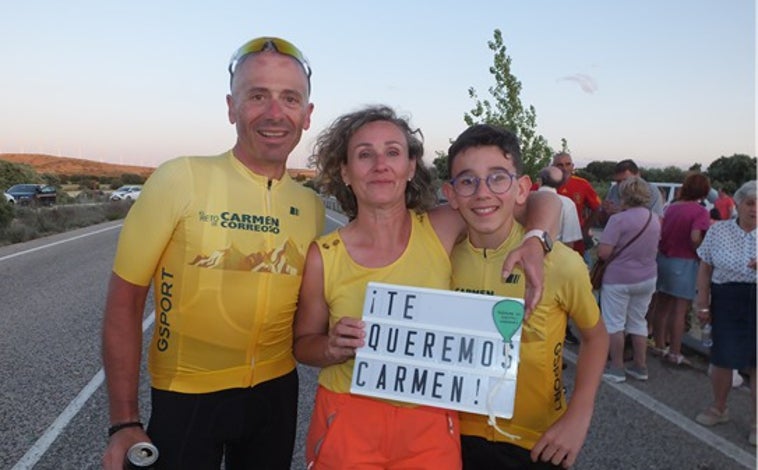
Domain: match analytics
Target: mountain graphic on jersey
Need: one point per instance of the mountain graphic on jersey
(285, 259)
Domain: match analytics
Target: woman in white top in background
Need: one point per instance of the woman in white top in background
(726, 298)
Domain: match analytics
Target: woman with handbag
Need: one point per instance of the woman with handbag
(628, 247)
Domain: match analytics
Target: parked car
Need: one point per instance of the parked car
(127, 192)
(33, 194)
(9, 199)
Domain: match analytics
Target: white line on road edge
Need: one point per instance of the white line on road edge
(54, 430)
(30, 250)
(713, 440)
(336, 221)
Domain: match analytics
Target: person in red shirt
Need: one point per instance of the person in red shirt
(725, 205)
(584, 196)
(587, 204)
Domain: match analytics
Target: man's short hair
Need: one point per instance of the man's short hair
(627, 165)
(562, 154)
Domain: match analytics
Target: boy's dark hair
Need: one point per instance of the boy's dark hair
(481, 135)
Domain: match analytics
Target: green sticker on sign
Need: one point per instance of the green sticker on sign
(508, 315)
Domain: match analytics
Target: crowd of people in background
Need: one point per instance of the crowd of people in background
(673, 265)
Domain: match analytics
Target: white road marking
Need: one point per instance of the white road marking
(35, 453)
(39, 448)
(59, 242)
(714, 441)
(336, 221)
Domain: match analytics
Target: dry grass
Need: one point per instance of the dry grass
(73, 166)
(30, 223)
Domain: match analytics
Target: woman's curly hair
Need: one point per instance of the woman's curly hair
(330, 154)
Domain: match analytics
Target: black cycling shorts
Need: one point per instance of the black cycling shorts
(247, 427)
(481, 454)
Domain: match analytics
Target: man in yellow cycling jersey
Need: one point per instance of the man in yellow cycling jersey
(222, 239)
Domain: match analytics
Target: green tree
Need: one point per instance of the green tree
(669, 174)
(115, 182)
(598, 171)
(6, 214)
(132, 178)
(440, 166)
(732, 172)
(16, 173)
(506, 110)
(51, 179)
(564, 146)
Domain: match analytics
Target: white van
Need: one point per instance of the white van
(669, 192)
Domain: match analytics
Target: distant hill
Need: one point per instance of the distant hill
(74, 166)
(78, 166)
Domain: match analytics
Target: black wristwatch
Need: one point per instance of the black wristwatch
(543, 237)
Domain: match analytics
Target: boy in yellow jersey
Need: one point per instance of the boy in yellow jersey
(487, 170)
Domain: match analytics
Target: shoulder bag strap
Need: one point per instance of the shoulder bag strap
(616, 253)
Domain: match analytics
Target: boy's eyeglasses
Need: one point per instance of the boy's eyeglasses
(498, 182)
(266, 44)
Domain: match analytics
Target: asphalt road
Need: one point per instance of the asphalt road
(53, 411)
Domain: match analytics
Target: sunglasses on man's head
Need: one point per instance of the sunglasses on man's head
(267, 44)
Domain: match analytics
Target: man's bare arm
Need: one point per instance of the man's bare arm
(122, 351)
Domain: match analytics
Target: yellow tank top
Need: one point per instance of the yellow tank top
(225, 249)
(424, 263)
(539, 388)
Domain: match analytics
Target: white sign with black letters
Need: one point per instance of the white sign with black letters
(440, 348)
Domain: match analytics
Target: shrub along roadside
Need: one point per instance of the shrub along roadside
(27, 223)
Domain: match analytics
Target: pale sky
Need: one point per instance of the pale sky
(666, 82)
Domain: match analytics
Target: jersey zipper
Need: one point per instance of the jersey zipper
(269, 245)
(268, 196)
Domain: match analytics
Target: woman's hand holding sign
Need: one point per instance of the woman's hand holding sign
(345, 337)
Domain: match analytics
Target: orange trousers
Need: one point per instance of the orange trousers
(361, 433)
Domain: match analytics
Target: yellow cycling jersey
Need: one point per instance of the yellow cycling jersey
(539, 385)
(424, 263)
(225, 250)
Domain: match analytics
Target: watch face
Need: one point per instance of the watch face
(548, 241)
